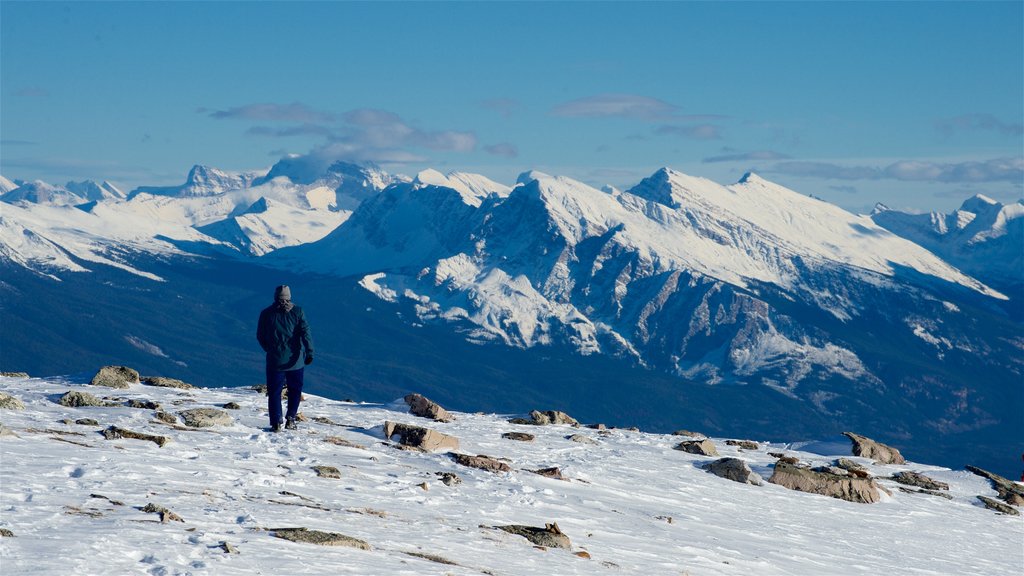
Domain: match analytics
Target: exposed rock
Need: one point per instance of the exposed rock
(15, 374)
(733, 469)
(923, 491)
(919, 480)
(689, 433)
(550, 536)
(553, 472)
(597, 426)
(868, 448)
(76, 399)
(420, 438)
(843, 487)
(424, 485)
(482, 462)
(745, 444)
(166, 417)
(114, 433)
(582, 554)
(339, 441)
(538, 418)
(1012, 492)
(204, 417)
(115, 377)
(788, 459)
(449, 478)
(146, 404)
(998, 506)
(232, 406)
(834, 470)
(5, 533)
(166, 382)
(327, 471)
(423, 407)
(581, 439)
(852, 468)
(520, 436)
(704, 447)
(87, 422)
(5, 431)
(431, 557)
(228, 548)
(9, 402)
(165, 514)
(308, 536)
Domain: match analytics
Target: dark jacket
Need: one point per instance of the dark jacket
(284, 336)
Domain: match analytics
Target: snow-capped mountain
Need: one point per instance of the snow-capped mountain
(92, 191)
(202, 181)
(349, 183)
(6, 185)
(984, 238)
(39, 192)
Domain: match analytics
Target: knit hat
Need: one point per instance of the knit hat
(282, 292)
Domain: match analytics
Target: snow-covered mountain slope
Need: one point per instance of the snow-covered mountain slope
(6, 185)
(268, 225)
(983, 237)
(629, 502)
(202, 181)
(350, 183)
(92, 191)
(39, 192)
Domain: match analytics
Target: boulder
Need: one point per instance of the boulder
(919, 480)
(868, 448)
(8, 402)
(520, 436)
(205, 417)
(425, 408)
(550, 536)
(1011, 492)
(113, 433)
(87, 422)
(581, 439)
(852, 468)
(232, 406)
(689, 433)
(420, 438)
(449, 478)
(733, 469)
(166, 382)
(5, 533)
(115, 377)
(327, 471)
(538, 418)
(165, 514)
(76, 399)
(319, 538)
(166, 417)
(998, 506)
(843, 487)
(552, 472)
(744, 444)
(703, 447)
(146, 404)
(482, 462)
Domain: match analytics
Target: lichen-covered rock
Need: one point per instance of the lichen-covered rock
(114, 432)
(8, 402)
(520, 436)
(76, 399)
(166, 382)
(423, 407)
(998, 506)
(538, 418)
(115, 377)
(420, 438)
(843, 487)
(482, 462)
(205, 417)
(868, 448)
(919, 480)
(703, 447)
(733, 469)
(307, 536)
(550, 536)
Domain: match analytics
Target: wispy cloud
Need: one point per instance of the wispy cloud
(301, 130)
(504, 149)
(6, 142)
(994, 170)
(845, 189)
(695, 131)
(978, 122)
(635, 106)
(506, 107)
(80, 168)
(747, 156)
(294, 112)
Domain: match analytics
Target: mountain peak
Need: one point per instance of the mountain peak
(979, 203)
(657, 188)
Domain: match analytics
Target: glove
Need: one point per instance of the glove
(309, 360)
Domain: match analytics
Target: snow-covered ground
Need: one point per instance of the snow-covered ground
(634, 504)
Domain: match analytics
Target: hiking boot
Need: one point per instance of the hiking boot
(290, 424)
(276, 427)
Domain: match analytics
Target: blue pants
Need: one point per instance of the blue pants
(276, 380)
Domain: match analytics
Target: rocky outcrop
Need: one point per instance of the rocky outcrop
(425, 408)
(144, 404)
(205, 417)
(920, 480)
(307, 536)
(998, 506)
(115, 377)
(1011, 492)
(420, 438)
(552, 472)
(852, 468)
(744, 444)
(327, 471)
(520, 436)
(806, 480)
(165, 514)
(689, 433)
(581, 439)
(114, 433)
(733, 469)
(538, 418)
(87, 422)
(8, 402)
(482, 462)
(703, 447)
(868, 448)
(550, 536)
(76, 399)
(166, 382)
(15, 374)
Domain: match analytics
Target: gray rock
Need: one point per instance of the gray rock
(581, 439)
(552, 472)
(115, 377)
(1011, 492)
(339, 441)
(5, 533)
(852, 468)
(87, 422)
(165, 514)
(733, 469)
(113, 433)
(520, 436)
(998, 506)
(868, 448)
(482, 462)
(166, 417)
(327, 471)
(15, 374)
(919, 480)
(76, 399)
(307, 536)
(703, 447)
(228, 548)
(420, 438)
(232, 406)
(8, 402)
(146, 404)
(538, 418)
(425, 408)
(923, 491)
(205, 417)
(449, 478)
(689, 433)
(842, 487)
(550, 536)
(166, 382)
(744, 444)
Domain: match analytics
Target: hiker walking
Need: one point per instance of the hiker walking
(284, 335)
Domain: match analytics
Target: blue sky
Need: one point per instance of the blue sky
(918, 105)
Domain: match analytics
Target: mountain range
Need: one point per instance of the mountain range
(676, 296)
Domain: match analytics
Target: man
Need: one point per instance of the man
(284, 335)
